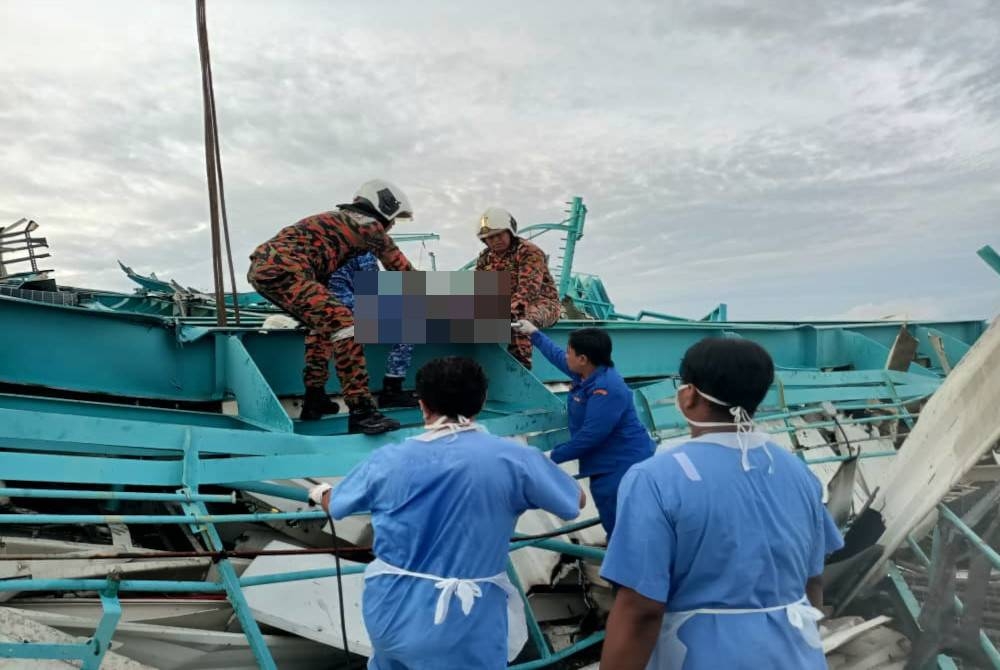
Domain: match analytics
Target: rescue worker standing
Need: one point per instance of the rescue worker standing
(444, 506)
(292, 269)
(533, 295)
(397, 363)
(605, 433)
(721, 542)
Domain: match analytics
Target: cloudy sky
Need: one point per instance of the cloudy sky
(790, 161)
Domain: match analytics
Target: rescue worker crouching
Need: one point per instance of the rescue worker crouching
(292, 269)
(533, 294)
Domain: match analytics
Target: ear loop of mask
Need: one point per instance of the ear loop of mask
(742, 419)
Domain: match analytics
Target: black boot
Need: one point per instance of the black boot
(316, 404)
(364, 418)
(393, 395)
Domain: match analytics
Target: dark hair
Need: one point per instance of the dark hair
(734, 370)
(452, 385)
(593, 343)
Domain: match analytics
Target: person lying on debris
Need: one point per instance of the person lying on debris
(605, 433)
(719, 551)
(533, 294)
(292, 269)
(400, 357)
(444, 506)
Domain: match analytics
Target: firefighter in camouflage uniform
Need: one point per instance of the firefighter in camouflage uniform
(533, 294)
(397, 363)
(292, 270)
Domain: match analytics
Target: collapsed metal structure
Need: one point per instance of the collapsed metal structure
(135, 402)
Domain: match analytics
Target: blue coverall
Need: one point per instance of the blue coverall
(606, 435)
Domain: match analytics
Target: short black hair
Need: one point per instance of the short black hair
(593, 343)
(734, 370)
(452, 386)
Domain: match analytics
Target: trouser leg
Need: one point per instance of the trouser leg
(295, 290)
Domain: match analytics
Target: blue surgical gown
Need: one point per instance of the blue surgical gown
(447, 507)
(697, 531)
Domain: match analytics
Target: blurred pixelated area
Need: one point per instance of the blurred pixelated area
(458, 307)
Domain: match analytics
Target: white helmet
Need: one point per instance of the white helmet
(385, 198)
(495, 220)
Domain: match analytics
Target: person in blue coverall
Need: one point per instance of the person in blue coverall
(444, 506)
(721, 541)
(605, 433)
(341, 284)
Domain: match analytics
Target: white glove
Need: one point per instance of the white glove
(317, 492)
(524, 327)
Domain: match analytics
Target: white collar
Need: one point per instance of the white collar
(443, 427)
(728, 439)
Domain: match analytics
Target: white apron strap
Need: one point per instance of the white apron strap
(467, 590)
(670, 651)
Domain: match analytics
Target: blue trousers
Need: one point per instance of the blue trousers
(604, 488)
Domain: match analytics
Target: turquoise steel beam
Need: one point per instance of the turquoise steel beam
(269, 489)
(100, 642)
(970, 535)
(568, 548)
(990, 257)
(169, 585)
(534, 630)
(563, 654)
(65, 652)
(913, 608)
(256, 401)
(837, 459)
(577, 215)
(562, 530)
(229, 578)
(984, 642)
(40, 353)
(150, 519)
(115, 495)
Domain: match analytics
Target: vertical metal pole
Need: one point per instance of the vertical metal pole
(537, 636)
(577, 214)
(236, 598)
(101, 640)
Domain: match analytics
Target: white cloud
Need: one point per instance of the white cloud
(785, 160)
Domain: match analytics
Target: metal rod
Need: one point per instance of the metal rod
(970, 535)
(140, 555)
(585, 643)
(987, 645)
(146, 519)
(836, 459)
(169, 586)
(537, 636)
(116, 495)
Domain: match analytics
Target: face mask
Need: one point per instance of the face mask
(741, 418)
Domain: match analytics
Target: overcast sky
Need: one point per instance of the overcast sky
(789, 160)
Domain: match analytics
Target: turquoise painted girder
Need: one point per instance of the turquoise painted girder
(655, 402)
(145, 356)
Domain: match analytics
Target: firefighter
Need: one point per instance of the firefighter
(292, 270)
(533, 294)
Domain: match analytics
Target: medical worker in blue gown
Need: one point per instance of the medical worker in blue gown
(720, 544)
(444, 506)
(605, 433)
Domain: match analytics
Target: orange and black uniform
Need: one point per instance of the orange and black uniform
(291, 270)
(533, 293)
